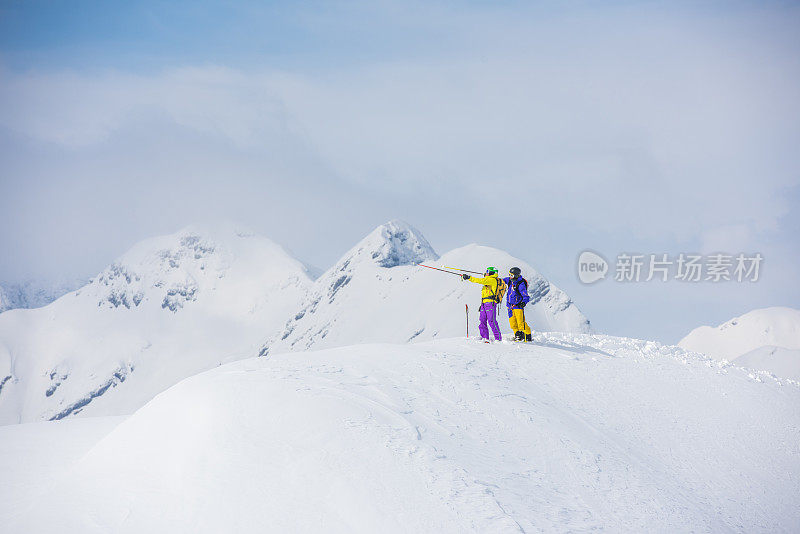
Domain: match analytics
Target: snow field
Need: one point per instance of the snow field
(572, 433)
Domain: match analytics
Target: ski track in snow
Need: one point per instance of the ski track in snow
(624, 472)
(571, 433)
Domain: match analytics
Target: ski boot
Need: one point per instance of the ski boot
(519, 335)
(528, 338)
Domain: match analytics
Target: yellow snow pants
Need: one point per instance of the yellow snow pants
(517, 321)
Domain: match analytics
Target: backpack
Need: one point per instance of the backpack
(516, 288)
(501, 290)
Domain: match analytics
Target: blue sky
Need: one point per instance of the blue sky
(544, 131)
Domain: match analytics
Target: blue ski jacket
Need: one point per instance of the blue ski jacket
(517, 294)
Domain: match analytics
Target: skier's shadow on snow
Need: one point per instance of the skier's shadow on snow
(573, 347)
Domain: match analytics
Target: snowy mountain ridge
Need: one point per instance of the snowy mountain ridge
(172, 271)
(34, 293)
(170, 307)
(176, 305)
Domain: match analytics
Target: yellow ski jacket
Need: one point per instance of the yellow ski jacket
(489, 287)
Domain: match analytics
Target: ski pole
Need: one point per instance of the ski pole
(436, 269)
(462, 270)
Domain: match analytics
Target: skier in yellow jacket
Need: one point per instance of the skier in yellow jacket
(491, 295)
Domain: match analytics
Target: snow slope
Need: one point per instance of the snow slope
(34, 456)
(780, 361)
(765, 339)
(776, 326)
(573, 433)
(377, 293)
(170, 307)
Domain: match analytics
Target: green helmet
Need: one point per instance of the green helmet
(491, 270)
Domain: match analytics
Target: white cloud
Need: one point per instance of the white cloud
(729, 239)
(632, 120)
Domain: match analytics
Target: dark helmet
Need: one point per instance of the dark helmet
(515, 272)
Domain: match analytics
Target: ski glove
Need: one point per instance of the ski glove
(465, 276)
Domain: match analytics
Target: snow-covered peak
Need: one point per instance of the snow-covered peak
(391, 245)
(169, 307)
(199, 244)
(172, 270)
(357, 301)
(777, 326)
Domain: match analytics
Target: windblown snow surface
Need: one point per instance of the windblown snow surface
(571, 433)
(34, 455)
(779, 361)
(777, 326)
(767, 339)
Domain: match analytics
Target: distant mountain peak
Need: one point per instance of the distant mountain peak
(177, 269)
(35, 293)
(396, 243)
(169, 265)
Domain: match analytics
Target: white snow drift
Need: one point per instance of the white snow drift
(33, 456)
(180, 304)
(574, 433)
(765, 339)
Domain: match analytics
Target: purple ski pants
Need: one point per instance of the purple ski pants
(489, 315)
